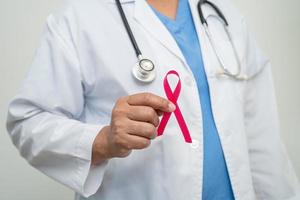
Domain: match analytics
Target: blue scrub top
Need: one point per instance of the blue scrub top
(216, 182)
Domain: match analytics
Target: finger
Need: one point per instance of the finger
(159, 113)
(136, 142)
(142, 129)
(143, 114)
(152, 100)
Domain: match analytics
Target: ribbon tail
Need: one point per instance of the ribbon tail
(182, 125)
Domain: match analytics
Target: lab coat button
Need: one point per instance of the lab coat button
(195, 144)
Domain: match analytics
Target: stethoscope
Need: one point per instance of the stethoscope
(144, 69)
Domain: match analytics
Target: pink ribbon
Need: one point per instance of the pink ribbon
(173, 97)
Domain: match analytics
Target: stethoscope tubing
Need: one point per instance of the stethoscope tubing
(217, 10)
(129, 30)
(223, 70)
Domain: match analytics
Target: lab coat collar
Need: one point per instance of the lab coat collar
(207, 10)
(151, 23)
(148, 19)
(122, 1)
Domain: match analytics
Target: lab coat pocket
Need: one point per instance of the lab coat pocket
(231, 55)
(228, 44)
(238, 88)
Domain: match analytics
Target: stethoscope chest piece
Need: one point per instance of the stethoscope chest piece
(144, 70)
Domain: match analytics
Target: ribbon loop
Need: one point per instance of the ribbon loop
(173, 97)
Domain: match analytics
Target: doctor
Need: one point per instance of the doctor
(85, 118)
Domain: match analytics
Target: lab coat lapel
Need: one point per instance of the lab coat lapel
(209, 59)
(149, 21)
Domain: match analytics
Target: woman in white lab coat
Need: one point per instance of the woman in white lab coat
(73, 118)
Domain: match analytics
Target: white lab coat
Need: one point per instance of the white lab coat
(83, 65)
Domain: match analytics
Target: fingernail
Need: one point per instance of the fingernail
(172, 107)
(154, 136)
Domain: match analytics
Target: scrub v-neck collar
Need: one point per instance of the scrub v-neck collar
(178, 23)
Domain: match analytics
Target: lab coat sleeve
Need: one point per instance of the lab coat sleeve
(272, 173)
(42, 118)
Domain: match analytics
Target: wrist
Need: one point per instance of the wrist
(100, 150)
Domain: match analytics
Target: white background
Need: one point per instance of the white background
(275, 23)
